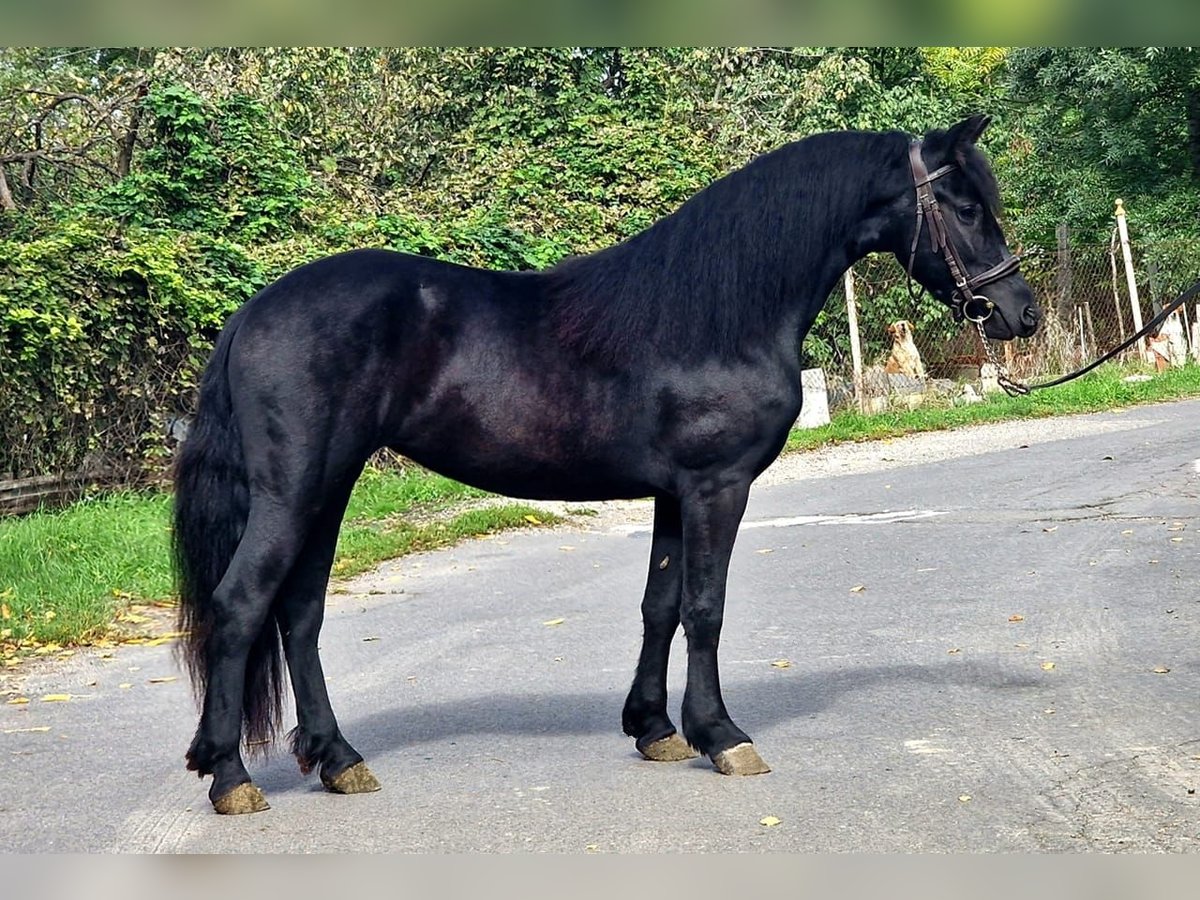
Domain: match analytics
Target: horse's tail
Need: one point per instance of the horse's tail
(211, 505)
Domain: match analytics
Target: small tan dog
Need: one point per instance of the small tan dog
(904, 359)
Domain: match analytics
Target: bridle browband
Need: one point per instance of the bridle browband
(965, 302)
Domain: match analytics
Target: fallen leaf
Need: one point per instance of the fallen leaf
(1016, 617)
(17, 701)
(858, 589)
(1176, 540)
(125, 686)
(1160, 670)
(566, 548)
(769, 821)
(765, 550)
(371, 638)
(954, 650)
(782, 664)
(1047, 666)
(162, 679)
(26, 730)
(533, 520)
(1051, 529)
(51, 615)
(56, 698)
(964, 798)
(1127, 531)
(554, 621)
(5, 612)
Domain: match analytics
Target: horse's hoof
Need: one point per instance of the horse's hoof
(355, 780)
(245, 798)
(740, 760)
(672, 748)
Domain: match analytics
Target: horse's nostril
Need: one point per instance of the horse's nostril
(1030, 316)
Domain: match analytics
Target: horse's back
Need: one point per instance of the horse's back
(460, 369)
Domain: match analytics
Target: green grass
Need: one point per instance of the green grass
(64, 575)
(1099, 390)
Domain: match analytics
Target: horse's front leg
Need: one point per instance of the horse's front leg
(645, 715)
(711, 515)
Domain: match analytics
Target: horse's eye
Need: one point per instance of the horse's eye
(968, 215)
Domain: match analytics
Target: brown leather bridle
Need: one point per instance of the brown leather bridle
(966, 303)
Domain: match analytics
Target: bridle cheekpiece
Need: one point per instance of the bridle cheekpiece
(967, 304)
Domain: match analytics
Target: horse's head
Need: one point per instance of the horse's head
(951, 241)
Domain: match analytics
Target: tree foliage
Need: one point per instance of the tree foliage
(145, 193)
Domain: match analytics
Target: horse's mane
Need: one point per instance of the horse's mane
(709, 278)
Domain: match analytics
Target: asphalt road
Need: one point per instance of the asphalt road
(1020, 671)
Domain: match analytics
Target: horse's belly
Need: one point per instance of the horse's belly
(536, 479)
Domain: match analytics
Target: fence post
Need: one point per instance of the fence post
(1130, 278)
(1064, 273)
(855, 345)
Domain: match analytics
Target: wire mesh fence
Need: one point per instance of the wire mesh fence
(913, 347)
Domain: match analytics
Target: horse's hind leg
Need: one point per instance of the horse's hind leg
(317, 741)
(645, 715)
(241, 632)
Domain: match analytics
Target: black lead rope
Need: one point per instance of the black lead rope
(1016, 388)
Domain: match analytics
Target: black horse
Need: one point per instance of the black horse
(666, 366)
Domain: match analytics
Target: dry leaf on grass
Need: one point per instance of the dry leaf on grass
(533, 520)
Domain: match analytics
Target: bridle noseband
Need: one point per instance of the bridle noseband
(966, 303)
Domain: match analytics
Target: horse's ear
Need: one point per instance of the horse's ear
(967, 131)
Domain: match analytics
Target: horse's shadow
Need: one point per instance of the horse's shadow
(759, 703)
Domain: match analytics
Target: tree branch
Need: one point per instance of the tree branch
(6, 197)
